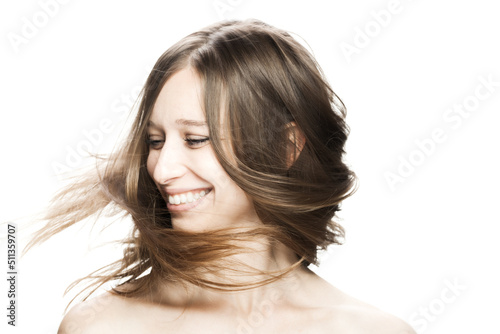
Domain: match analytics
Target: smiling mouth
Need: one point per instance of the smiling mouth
(187, 197)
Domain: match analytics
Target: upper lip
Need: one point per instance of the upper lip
(184, 190)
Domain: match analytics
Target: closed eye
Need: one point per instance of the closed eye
(154, 144)
(196, 142)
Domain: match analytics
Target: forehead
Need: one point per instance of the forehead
(179, 98)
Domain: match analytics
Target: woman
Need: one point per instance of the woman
(232, 174)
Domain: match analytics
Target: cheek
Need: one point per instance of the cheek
(232, 192)
(214, 170)
(151, 164)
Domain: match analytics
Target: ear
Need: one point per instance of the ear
(296, 143)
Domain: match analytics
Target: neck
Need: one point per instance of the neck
(265, 257)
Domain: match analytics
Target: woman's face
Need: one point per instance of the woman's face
(198, 192)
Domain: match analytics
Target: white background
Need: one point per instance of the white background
(403, 243)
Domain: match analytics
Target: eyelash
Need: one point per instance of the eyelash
(154, 144)
(195, 142)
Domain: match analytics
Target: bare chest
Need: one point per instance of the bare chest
(263, 321)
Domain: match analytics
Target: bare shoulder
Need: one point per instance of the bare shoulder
(112, 313)
(346, 314)
(366, 319)
(95, 315)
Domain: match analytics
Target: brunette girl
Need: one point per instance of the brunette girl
(233, 173)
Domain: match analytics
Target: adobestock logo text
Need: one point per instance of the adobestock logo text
(363, 36)
(94, 138)
(31, 25)
(453, 117)
(426, 315)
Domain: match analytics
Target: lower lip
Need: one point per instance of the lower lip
(186, 206)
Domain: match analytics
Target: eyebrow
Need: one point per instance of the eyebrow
(190, 122)
(181, 121)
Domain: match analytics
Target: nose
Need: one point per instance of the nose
(169, 165)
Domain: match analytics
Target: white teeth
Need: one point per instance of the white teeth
(186, 198)
(183, 199)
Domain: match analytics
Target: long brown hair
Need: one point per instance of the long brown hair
(256, 81)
